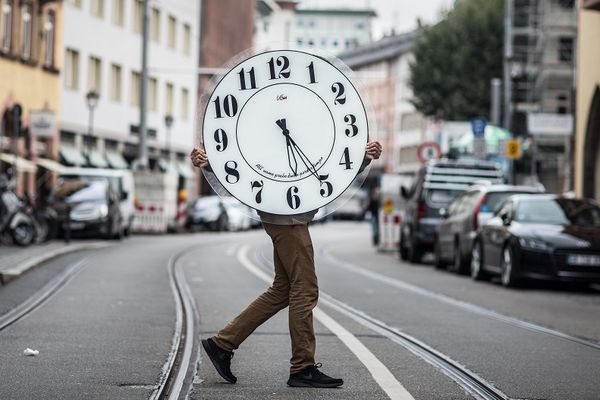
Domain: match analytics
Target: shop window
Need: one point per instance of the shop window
(565, 49)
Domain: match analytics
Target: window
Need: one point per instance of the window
(155, 25)
(26, 31)
(6, 25)
(115, 82)
(567, 3)
(135, 89)
(138, 15)
(172, 33)
(94, 74)
(169, 99)
(118, 14)
(185, 100)
(49, 33)
(565, 49)
(152, 92)
(75, 3)
(72, 69)
(97, 8)
(187, 39)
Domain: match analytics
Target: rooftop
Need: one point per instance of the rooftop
(386, 48)
(368, 12)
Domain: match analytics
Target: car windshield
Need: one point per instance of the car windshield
(206, 202)
(558, 212)
(494, 199)
(79, 190)
(438, 198)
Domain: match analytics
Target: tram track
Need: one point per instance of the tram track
(471, 382)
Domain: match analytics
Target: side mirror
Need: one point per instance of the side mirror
(443, 213)
(505, 218)
(124, 196)
(404, 192)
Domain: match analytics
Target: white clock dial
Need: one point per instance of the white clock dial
(285, 132)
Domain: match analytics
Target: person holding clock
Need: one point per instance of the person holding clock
(285, 133)
(295, 285)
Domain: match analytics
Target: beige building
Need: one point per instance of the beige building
(587, 139)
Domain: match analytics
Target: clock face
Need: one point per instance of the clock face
(285, 132)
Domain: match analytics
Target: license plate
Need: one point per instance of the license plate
(76, 225)
(577, 259)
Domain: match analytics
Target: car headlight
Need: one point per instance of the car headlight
(103, 210)
(534, 244)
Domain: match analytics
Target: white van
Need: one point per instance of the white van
(121, 181)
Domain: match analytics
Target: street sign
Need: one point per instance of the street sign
(428, 151)
(549, 124)
(478, 127)
(479, 147)
(41, 123)
(513, 149)
(388, 205)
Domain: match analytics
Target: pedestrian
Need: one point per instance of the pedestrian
(295, 285)
(374, 204)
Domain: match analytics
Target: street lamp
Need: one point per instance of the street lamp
(91, 99)
(169, 123)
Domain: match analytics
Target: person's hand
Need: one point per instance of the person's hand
(199, 157)
(373, 150)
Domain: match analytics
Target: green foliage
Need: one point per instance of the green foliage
(455, 60)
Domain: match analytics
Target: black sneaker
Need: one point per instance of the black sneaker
(221, 359)
(312, 377)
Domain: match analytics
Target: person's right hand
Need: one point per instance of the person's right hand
(199, 157)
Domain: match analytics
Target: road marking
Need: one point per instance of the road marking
(399, 284)
(382, 375)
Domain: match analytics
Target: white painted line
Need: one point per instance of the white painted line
(382, 375)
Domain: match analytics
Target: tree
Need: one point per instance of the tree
(455, 59)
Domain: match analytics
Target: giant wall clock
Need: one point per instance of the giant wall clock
(285, 132)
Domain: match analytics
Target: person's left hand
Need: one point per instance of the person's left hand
(373, 150)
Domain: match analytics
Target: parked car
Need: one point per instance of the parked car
(541, 237)
(217, 214)
(352, 207)
(88, 208)
(460, 223)
(122, 185)
(435, 186)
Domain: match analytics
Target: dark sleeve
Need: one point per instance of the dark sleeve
(364, 164)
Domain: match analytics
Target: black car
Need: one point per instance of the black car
(542, 237)
(434, 187)
(88, 208)
(453, 242)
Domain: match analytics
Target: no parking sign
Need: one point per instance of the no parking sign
(428, 151)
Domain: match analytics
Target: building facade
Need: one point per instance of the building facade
(587, 139)
(329, 30)
(30, 65)
(382, 71)
(102, 76)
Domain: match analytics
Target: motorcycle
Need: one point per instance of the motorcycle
(45, 220)
(16, 224)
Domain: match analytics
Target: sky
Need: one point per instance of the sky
(398, 14)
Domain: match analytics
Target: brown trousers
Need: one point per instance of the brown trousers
(295, 284)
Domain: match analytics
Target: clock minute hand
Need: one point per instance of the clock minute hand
(307, 161)
(292, 161)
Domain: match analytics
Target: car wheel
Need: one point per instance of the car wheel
(438, 262)
(508, 276)
(458, 264)
(415, 253)
(477, 263)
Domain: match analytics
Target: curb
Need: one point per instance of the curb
(10, 274)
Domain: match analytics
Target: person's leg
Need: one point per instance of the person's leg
(264, 307)
(294, 248)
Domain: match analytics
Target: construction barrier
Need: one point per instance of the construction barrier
(389, 231)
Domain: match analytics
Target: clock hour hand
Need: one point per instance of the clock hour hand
(292, 161)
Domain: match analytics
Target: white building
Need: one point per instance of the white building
(102, 53)
(328, 29)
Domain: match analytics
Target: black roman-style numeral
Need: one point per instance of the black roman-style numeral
(345, 160)
(229, 106)
(311, 72)
(243, 83)
(233, 176)
(258, 185)
(293, 199)
(340, 96)
(351, 121)
(284, 67)
(221, 139)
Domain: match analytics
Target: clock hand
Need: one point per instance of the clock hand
(311, 168)
(292, 162)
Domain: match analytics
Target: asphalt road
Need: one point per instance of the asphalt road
(108, 332)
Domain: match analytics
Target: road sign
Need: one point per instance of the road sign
(478, 127)
(513, 149)
(428, 151)
(388, 205)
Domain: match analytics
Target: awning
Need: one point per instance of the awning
(21, 163)
(50, 165)
(184, 170)
(71, 155)
(96, 159)
(115, 160)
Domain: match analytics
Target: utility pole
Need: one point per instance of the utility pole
(143, 145)
(508, 58)
(496, 94)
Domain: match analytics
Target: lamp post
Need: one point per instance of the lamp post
(169, 123)
(91, 99)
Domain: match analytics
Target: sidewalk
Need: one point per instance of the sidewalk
(15, 260)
